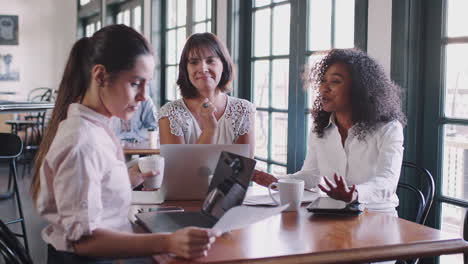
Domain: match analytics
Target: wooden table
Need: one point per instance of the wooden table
(301, 237)
(140, 148)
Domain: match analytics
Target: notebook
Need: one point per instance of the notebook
(231, 179)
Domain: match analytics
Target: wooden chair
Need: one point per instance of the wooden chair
(12, 147)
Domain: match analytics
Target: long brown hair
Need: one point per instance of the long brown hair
(196, 43)
(116, 47)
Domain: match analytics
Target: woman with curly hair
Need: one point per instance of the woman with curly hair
(357, 134)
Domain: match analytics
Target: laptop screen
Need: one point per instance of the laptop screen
(229, 184)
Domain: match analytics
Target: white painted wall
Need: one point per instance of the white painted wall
(379, 32)
(47, 31)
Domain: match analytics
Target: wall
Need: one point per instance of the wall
(379, 32)
(47, 30)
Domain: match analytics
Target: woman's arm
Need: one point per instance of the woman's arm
(165, 135)
(189, 242)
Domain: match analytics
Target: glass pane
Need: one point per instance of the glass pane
(258, 3)
(137, 18)
(119, 18)
(199, 28)
(262, 32)
(319, 25)
(456, 81)
(261, 134)
(208, 27)
(457, 18)
(311, 91)
(344, 24)
(280, 84)
(181, 38)
(181, 12)
(171, 14)
(455, 161)
(279, 134)
(98, 25)
(171, 87)
(208, 10)
(261, 83)
(200, 10)
(278, 170)
(452, 223)
(281, 23)
(126, 17)
(261, 165)
(171, 47)
(84, 2)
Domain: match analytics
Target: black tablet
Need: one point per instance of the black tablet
(329, 206)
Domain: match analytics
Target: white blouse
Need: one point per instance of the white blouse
(373, 164)
(84, 180)
(236, 121)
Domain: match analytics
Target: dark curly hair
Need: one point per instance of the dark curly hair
(374, 97)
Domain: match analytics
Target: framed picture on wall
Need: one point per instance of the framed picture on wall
(8, 30)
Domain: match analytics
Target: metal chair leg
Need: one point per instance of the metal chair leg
(20, 208)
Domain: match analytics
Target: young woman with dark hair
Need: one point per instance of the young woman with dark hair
(357, 134)
(81, 184)
(206, 114)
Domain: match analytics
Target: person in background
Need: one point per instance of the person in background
(356, 142)
(81, 185)
(206, 114)
(136, 129)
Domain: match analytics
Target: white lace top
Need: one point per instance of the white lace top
(236, 121)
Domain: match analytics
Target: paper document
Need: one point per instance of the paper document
(262, 198)
(147, 197)
(242, 216)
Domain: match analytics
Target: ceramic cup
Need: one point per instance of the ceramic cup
(290, 190)
(152, 163)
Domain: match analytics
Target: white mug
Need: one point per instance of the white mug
(152, 163)
(291, 191)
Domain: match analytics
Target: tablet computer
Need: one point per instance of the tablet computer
(327, 205)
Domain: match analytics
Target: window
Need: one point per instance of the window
(92, 25)
(130, 14)
(89, 14)
(446, 114)
(183, 18)
(279, 52)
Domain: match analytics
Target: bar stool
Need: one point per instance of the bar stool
(12, 146)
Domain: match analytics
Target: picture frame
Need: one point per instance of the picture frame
(8, 30)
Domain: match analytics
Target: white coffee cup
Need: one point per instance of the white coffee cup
(290, 190)
(152, 163)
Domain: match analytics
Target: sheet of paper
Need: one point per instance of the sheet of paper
(242, 216)
(265, 199)
(147, 197)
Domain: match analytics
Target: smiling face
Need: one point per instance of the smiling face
(122, 96)
(204, 69)
(335, 89)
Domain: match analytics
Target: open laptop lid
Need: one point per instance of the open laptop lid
(229, 185)
(188, 167)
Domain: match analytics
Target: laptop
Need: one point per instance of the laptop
(188, 168)
(227, 189)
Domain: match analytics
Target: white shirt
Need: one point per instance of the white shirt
(373, 164)
(236, 121)
(84, 180)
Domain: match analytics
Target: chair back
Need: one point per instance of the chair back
(12, 146)
(41, 94)
(424, 196)
(11, 248)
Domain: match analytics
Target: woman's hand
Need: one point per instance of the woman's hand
(137, 177)
(263, 178)
(191, 242)
(207, 115)
(339, 190)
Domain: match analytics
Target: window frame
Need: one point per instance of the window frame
(240, 28)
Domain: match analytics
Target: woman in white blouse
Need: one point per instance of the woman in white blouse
(356, 143)
(81, 184)
(206, 114)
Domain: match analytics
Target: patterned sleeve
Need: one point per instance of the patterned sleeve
(242, 116)
(176, 114)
